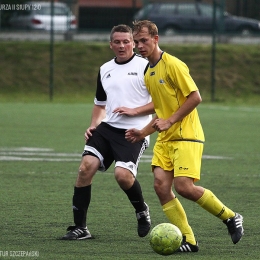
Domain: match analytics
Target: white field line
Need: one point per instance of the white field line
(34, 154)
(11, 158)
(228, 108)
(26, 149)
(41, 154)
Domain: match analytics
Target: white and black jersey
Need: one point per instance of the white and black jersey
(122, 84)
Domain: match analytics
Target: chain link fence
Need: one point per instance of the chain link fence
(89, 20)
(65, 69)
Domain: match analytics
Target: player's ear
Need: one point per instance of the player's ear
(110, 44)
(156, 38)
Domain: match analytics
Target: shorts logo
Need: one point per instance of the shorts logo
(183, 168)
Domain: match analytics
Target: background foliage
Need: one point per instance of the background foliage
(25, 70)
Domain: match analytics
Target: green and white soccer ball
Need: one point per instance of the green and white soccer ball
(165, 238)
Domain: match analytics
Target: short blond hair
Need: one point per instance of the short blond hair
(152, 28)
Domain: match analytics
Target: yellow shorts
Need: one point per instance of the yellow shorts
(182, 157)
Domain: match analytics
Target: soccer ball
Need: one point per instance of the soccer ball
(165, 238)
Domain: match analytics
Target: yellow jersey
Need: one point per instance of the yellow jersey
(169, 83)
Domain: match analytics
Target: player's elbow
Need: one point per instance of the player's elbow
(197, 97)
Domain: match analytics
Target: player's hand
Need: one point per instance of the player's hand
(133, 135)
(161, 125)
(125, 111)
(88, 132)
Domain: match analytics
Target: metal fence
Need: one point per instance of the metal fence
(94, 16)
(94, 24)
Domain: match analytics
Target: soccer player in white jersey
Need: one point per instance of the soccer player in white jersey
(121, 102)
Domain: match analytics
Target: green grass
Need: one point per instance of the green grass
(25, 70)
(36, 193)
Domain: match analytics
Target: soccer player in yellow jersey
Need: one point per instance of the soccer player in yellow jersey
(179, 145)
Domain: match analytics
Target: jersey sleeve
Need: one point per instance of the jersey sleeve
(101, 96)
(179, 72)
(146, 80)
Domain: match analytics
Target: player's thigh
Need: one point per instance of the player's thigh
(89, 165)
(99, 147)
(162, 179)
(124, 177)
(161, 157)
(87, 169)
(129, 151)
(187, 157)
(127, 155)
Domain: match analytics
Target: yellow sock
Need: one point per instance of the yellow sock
(213, 205)
(177, 216)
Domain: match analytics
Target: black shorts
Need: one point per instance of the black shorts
(109, 145)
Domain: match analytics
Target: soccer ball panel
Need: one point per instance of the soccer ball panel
(165, 238)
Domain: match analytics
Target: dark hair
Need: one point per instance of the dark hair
(121, 28)
(152, 28)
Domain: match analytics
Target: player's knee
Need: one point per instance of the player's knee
(181, 192)
(84, 168)
(184, 186)
(159, 188)
(125, 179)
(86, 172)
(184, 191)
(87, 168)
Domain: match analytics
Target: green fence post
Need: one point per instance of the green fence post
(213, 52)
(51, 51)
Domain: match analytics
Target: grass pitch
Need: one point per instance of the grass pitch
(40, 149)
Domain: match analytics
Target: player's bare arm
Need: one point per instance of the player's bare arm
(134, 135)
(192, 102)
(137, 111)
(98, 113)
